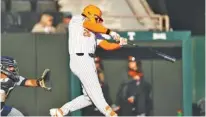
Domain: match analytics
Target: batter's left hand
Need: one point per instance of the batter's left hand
(115, 35)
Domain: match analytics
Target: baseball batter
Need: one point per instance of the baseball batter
(84, 31)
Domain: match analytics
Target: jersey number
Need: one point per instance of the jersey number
(86, 33)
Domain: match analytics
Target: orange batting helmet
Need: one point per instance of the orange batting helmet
(93, 13)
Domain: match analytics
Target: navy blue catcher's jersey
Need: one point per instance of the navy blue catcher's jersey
(7, 85)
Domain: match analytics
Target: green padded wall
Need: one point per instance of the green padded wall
(165, 78)
(198, 44)
(22, 48)
(167, 87)
(52, 53)
(34, 53)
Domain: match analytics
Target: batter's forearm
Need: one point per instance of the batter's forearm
(96, 27)
(109, 46)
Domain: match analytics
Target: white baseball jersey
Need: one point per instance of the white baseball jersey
(81, 40)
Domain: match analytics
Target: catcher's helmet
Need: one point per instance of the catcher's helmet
(93, 13)
(7, 63)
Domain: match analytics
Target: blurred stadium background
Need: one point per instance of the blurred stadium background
(141, 15)
(178, 20)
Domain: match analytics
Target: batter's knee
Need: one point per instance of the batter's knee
(85, 94)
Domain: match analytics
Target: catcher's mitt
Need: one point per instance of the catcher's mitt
(44, 81)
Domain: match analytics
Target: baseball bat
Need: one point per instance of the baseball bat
(161, 54)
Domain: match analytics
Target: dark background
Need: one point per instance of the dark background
(184, 14)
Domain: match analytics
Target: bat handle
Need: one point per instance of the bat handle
(131, 43)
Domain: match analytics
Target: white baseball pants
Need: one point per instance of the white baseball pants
(84, 68)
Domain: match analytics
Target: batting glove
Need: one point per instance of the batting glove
(123, 41)
(114, 35)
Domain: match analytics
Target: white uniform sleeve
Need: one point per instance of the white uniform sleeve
(21, 81)
(99, 38)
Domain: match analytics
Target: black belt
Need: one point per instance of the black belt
(82, 54)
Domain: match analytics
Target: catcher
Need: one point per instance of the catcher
(11, 78)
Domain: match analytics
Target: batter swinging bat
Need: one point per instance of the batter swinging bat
(161, 54)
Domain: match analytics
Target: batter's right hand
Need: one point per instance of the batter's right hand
(115, 35)
(123, 41)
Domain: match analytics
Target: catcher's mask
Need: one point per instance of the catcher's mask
(93, 13)
(9, 64)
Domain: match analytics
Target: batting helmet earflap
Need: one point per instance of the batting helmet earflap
(93, 13)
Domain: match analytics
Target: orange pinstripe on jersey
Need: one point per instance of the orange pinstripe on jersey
(109, 46)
